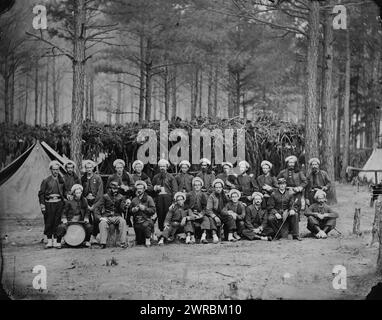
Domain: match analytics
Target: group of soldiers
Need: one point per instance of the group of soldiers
(205, 207)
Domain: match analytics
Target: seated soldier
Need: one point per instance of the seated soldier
(112, 207)
(215, 204)
(236, 209)
(75, 210)
(256, 220)
(321, 218)
(196, 200)
(282, 212)
(246, 183)
(142, 208)
(174, 219)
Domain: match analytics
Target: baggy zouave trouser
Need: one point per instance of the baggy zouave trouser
(52, 216)
(104, 226)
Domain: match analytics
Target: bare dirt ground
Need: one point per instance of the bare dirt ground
(242, 270)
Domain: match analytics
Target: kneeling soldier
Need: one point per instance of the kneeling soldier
(142, 209)
(176, 218)
(256, 220)
(112, 207)
(321, 218)
(75, 210)
(282, 212)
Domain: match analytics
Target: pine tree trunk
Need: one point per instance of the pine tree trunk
(91, 97)
(192, 91)
(87, 97)
(327, 107)
(119, 100)
(6, 99)
(196, 91)
(26, 97)
(216, 87)
(12, 96)
(166, 93)
(141, 110)
(79, 17)
(55, 94)
(345, 161)
(41, 103)
(47, 92)
(200, 107)
(36, 95)
(311, 108)
(173, 92)
(148, 65)
(237, 94)
(209, 93)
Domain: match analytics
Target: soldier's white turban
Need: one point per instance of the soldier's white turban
(185, 162)
(311, 161)
(70, 162)
(75, 187)
(232, 191)
(137, 162)
(179, 194)
(267, 163)
(205, 160)
(257, 194)
(319, 193)
(218, 181)
(197, 179)
(119, 161)
(54, 163)
(291, 158)
(92, 163)
(245, 163)
(163, 162)
(229, 164)
(140, 183)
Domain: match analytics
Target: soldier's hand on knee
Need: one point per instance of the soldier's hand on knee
(278, 216)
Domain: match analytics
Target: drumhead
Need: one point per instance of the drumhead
(75, 235)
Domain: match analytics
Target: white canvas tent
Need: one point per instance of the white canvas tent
(20, 182)
(373, 163)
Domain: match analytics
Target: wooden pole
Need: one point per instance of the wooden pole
(375, 232)
(378, 213)
(357, 221)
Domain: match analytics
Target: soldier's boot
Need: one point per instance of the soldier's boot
(49, 244)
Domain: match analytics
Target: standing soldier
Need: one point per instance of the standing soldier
(142, 208)
(230, 181)
(184, 179)
(267, 183)
(124, 179)
(112, 208)
(295, 180)
(70, 178)
(165, 186)
(139, 175)
(282, 212)
(93, 192)
(317, 180)
(246, 183)
(207, 178)
(321, 218)
(51, 198)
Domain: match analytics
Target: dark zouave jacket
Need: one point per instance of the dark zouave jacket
(142, 216)
(51, 188)
(271, 181)
(207, 178)
(246, 184)
(184, 181)
(317, 180)
(144, 177)
(167, 181)
(216, 203)
(112, 205)
(76, 209)
(293, 178)
(176, 213)
(278, 202)
(317, 208)
(228, 177)
(93, 185)
(237, 207)
(255, 217)
(69, 181)
(197, 201)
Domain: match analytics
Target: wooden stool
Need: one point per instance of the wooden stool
(112, 236)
